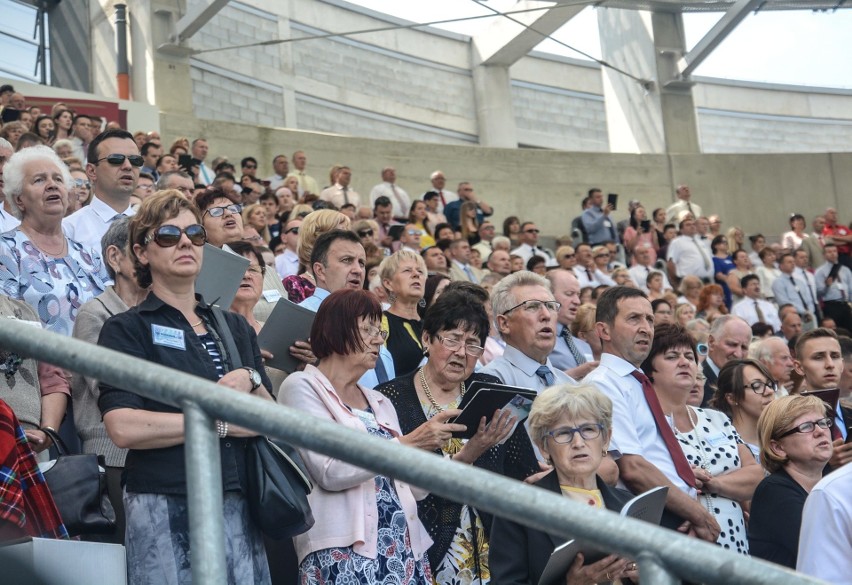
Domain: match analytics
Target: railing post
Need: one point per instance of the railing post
(651, 570)
(204, 496)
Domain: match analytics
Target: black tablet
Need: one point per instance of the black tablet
(483, 398)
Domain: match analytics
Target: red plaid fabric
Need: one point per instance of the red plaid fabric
(25, 500)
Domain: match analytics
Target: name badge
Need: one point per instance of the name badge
(716, 440)
(271, 295)
(607, 223)
(168, 337)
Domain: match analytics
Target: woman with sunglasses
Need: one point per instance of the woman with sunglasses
(726, 473)
(795, 446)
(366, 528)
(39, 265)
(454, 331)
(175, 327)
(368, 233)
(571, 426)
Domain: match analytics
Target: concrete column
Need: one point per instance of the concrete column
(494, 113)
(646, 118)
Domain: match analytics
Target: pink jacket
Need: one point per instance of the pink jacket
(344, 496)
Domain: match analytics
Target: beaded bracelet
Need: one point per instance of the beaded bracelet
(222, 429)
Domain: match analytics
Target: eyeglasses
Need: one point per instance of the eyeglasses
(534, 306)
(365, 233)
(587, 432)
(415, 233)
(532, 231)
(250, 167)
(234, 208)
(255, 269)
(145, 187)
(759, 386)
(167, 236)
(569, 256)
(454, 345)
(809, 427)
(82, 183)
(117, 160)
(373, 331)
(603, 255)
(294, 231)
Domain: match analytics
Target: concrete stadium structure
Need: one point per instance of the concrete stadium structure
(532, 131)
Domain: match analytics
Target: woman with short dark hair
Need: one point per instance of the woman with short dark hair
(366, 527)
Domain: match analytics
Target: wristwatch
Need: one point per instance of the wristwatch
(255, 378)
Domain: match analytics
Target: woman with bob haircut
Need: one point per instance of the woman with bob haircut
(795, 446)
(571, 426)
(367, 529)
(175, 327)
(454, 332)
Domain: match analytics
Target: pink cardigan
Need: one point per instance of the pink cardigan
(344, 496)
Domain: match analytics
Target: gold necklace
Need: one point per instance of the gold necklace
(428, 392)
(44, 248)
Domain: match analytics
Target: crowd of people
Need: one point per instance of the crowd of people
(663, 352)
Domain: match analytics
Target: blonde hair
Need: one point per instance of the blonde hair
(584, 320)
(247, 211)
(777, 418)
(313, 226)
(390, 265)
(563, 251)
(569, 400)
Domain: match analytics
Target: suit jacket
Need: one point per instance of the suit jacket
(518, 554)
(815, 254)
(457, 273)
(710, 384)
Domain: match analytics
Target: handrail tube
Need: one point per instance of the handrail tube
(690, 558)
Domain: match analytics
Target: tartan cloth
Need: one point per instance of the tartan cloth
(25, 499)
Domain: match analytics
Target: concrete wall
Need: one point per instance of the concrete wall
(755, 191)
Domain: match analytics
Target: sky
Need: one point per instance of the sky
(796, 47)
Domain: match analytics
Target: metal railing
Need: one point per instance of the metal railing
(662, 555)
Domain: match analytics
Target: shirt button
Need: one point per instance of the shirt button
(228, 445)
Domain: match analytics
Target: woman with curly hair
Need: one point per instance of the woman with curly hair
(711, 303)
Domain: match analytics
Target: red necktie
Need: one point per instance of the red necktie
(678, 458)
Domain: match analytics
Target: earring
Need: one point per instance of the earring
(604, 452)
(391, 298)
(422, 303)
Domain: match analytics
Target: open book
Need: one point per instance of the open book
(647, 506)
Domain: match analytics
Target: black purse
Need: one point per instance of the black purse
(277, 483)
(79, 488)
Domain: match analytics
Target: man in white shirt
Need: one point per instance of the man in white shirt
(409, 239)
(7, 220)
(687, 255)
(307, 184)
(529, 244)
(199, 152)
(640, 271)
(525, 313)
(753, 308)
(684, 204)
(287, 263)
(625, 324)
(445, 196)
(834, 285)
(340, 193)
(82, 130)
(281, 166)
(400, 201)
(113, 170)
(486, 234)
(585, 268)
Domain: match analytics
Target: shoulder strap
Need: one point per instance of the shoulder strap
(227, 337)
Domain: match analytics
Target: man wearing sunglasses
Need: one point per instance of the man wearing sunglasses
(529, 245)
(820, 360)
(287, 262)
(113, 170)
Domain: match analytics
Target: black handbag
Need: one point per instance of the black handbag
(79, 487)
(278, 488)
(277, 482)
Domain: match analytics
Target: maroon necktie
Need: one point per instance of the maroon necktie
(678, 458)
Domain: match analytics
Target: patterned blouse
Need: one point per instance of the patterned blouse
(55, 287)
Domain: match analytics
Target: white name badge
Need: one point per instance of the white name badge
(607, 223)
(168, 337)
(716, 440)
(272, 295)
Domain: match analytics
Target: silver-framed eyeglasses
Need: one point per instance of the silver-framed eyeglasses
(454, 345)
(809, 427)
(373, 331)
(534, 306)
(564, 435)
(234, 208)
(759, 386)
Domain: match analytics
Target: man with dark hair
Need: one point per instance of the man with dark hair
(151, 152)
(597, 221)
(819, 360)
(788, 288)
(625, 325)
(834, 286)
(753, 308)
(338, 261)
(383, 213)
(248, 166)
(82, 132)
(199, 149)
(113, 169)
(281, 166)
(166, 164)
(578, 230)
(460, 267)
(528, 236)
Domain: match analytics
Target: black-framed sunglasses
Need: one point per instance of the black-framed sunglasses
(365, 233)
(808, 427)
(292, 230)
(117, 160)
(167, 236)
(234, 208)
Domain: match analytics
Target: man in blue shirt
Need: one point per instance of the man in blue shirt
(597, 222)
(453, 209)
(834, 285)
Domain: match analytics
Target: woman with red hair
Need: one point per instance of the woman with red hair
(711, 303)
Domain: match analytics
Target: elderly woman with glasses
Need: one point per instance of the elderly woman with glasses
(454, 331)
(176, 328)
(795, 446)
(367, 529)
(38, 263)
(571, 426)
(744, 389)
(403, 276)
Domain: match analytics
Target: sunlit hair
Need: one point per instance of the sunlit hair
(315, 224)
(573, 401)
(502, 297)
(777, 418)
(390, 265)
(704, 298)
(337, 325)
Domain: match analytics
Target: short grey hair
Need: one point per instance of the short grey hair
(6, 145)
(501, 241)
(117, 235)
(502, 298)
(719, 324)
(13, 172)
(63, 142)
(163, 183)
(762, 350)
(572, 400)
